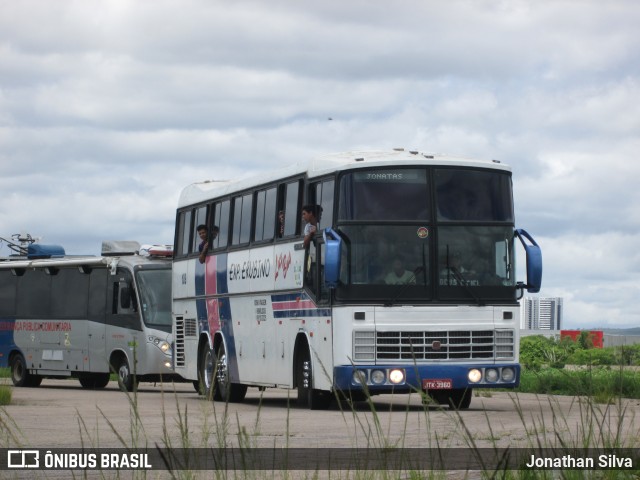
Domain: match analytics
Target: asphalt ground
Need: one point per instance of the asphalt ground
(61, 414)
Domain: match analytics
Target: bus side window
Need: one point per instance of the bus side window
(241, 232)
(183, 233)
(321, 193)
(221, 220)
(265, 214)
(199, 219)
(289, 209)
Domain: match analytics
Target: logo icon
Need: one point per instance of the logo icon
(23, 459)
(423, 232)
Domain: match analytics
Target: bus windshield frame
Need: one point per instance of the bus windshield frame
(425, 235)
(154, 290)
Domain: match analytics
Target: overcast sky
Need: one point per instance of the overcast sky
(109, 108)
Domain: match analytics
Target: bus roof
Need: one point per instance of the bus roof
(113, 253)
(327, 164)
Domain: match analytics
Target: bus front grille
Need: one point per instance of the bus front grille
(454, 345)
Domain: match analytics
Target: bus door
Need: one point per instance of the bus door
(124, 329)
(318, 313)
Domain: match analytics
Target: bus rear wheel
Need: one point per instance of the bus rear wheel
(223, 388)
(94, 381)
(20, 375)
(309, 397)
(204, 383)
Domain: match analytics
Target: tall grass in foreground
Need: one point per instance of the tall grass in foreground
(597, 426)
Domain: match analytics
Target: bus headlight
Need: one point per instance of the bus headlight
(508, 374)
(396, 376)
(163, 345)
(491, 375)
(474, 375)
(378, 377)
(359, 377)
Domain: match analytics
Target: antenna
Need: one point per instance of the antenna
(19, 242)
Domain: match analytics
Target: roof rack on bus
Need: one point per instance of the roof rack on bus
(36, 251)
(24, 245)
(165, 251)
(111, 248)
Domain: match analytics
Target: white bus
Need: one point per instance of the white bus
(409, 284)
(86, 316)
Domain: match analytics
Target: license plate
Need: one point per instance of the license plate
(437, 383)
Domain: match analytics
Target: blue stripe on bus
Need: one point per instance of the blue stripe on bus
(297, 312)
(318, 312)
(224, 307)
(201, 309)
(199, 278)
(290, 297)
(221, 279)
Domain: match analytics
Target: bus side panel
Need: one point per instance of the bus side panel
(7, 315)
(250, 333)
(98, 359)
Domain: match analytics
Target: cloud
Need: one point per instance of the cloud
(108, 109)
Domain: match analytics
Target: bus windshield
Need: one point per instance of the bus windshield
(154, 287)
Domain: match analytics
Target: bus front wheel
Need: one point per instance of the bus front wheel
(126, 379)
(309, 397)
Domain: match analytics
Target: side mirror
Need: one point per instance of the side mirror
(332, 256)
(534, 261)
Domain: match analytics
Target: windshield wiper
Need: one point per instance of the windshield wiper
(457, 274)
(404, 287)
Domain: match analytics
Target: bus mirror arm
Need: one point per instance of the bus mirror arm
(534, 262)
(333, 247)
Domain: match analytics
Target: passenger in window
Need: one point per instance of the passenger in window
(203, 233)
(398, 275)
(281, 224)
(311, 215)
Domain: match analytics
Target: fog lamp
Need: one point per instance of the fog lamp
(508, 374)
(491, 375)
(359, 377)
(378, 377)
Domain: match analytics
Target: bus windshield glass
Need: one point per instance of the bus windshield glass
(154, 287)
(473, 195)
(400, 247)
(389, 194)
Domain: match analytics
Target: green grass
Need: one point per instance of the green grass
(601, 383)
(5, 395)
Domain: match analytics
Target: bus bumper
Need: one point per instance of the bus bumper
(411, 378)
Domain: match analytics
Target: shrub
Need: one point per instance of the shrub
(5, 394)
